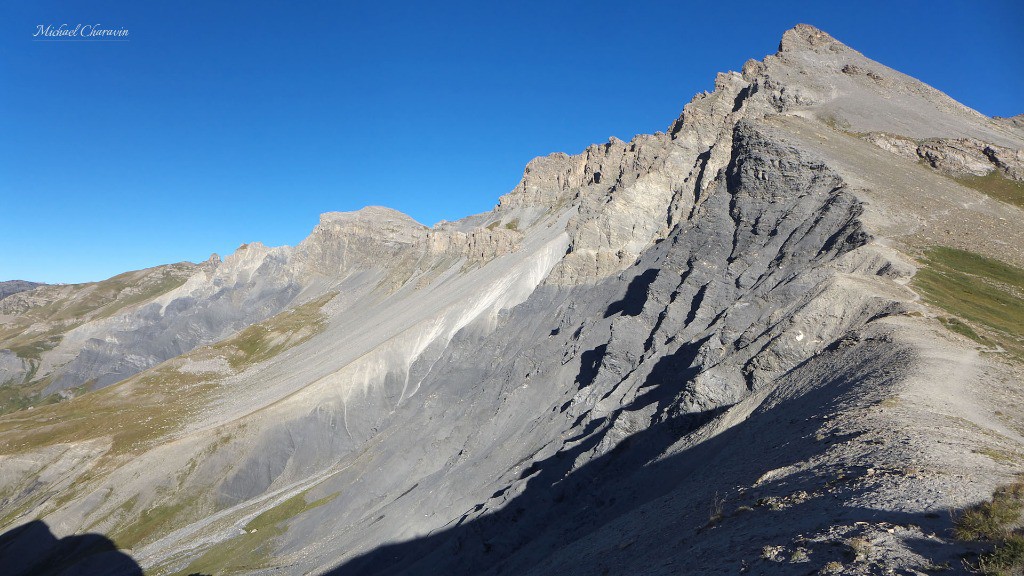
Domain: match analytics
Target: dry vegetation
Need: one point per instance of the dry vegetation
(134, 414)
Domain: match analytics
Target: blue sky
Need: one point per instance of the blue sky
(220, 123)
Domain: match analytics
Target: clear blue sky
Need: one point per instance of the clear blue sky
(220, 123)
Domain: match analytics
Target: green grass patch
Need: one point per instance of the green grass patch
(286, 510)
(997, 186)
(985, 296)
(955, 325)
(993, 520)
(1005, 559)
(149, 523)
(153, 522)
(998, 522)
(269, 338)
(252, 550)
(14, 398)
(510, 225)
(33, 349)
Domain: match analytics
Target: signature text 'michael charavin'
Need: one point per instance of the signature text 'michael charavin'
(83, 31)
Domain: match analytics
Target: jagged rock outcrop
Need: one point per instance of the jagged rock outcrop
(697, 351)
(957, 157)
(344, 241)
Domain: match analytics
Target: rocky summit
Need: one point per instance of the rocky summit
(784, 336)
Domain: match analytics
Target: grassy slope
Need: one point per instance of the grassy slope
(133, 413)
(984, 296)
(267, 339)
(997, 186)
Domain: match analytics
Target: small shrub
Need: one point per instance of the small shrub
(837, 124)
(716, 509)
(832, 567)
(890, 402)
(859, 547)
(994, 519)
(996, 454)
(1005, 559)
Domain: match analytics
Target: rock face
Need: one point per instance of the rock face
(698, 351)
(957, 157)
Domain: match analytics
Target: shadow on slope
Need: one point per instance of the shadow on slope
(633, 509)
(32, 550)
(632, 303)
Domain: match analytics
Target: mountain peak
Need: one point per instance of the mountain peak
(370, 214)
(807, 37)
